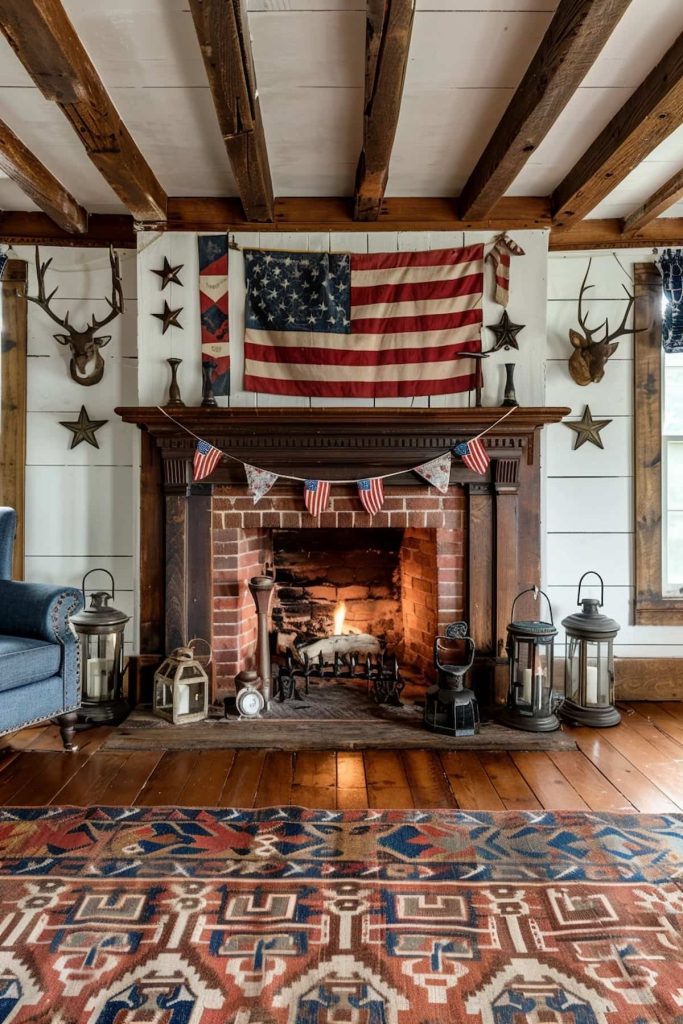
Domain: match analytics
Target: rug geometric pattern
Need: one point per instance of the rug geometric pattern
(287, 916)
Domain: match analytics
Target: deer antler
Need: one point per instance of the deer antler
(622, 329)
(588, 331)
(43, 300)
(116, 302)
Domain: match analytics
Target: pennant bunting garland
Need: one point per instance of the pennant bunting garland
(206, 458)
(499, 256)
(473, 454)
(437, 472)
(371, 494)
(316, 495)
(259, 481)
(213, 306)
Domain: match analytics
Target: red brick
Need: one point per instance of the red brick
(291, 520)
(252, 519)
(328, 520)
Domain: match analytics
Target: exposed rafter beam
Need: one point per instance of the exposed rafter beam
(39, 184)
(575, 37)
(387, 42)
(663, 198)
(653, 111)
(223, 35)
(46, 43)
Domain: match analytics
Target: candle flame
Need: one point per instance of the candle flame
(339, 616)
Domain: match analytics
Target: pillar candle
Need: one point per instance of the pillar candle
(591, 685)
(526, 685)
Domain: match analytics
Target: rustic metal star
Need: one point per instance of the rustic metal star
(169, 317)
(169, 274)
(505, 332)
(588, 429)
(83, 429)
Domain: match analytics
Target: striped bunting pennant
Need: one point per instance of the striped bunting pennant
(316, 495)
(473, 454)
(371, 494)
(206, 458)
(499, 256)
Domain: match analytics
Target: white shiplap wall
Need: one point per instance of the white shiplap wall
(589, 492)
(81, 503)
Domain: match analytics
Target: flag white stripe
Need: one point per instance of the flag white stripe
(411, 308)
(395, 372)
(363, 342)
(414, 275)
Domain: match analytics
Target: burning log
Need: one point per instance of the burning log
(331, 646)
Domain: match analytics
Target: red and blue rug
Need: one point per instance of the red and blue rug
(171, 916)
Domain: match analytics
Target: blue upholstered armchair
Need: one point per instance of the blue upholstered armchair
(39, 664)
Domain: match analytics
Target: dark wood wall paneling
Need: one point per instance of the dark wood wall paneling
(13, 376)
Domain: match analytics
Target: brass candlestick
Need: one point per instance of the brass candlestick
(173, 390)
(261, 589)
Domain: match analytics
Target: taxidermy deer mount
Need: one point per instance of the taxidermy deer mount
(86, 365)
(587, 362)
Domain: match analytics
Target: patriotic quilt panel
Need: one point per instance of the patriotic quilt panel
(213, 309)
(359, 325)
(287, 916)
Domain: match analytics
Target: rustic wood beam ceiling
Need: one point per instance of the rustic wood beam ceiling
(670, 192)
(45, 41)
(39, 184)
(646, 119)
(387, 42)
(223, 34)
(575, 37)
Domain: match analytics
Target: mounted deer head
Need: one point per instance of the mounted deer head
(86, 365)
(587, 362)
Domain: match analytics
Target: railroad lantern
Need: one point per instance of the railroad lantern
(530, 647)
(589, 663)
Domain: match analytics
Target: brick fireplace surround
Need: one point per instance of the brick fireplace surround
(465, 554)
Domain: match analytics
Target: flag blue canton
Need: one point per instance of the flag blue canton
(203, 447)
(311, 485)
(461, 449)
(363, 485)
(298, 292)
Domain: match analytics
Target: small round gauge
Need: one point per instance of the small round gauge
(250, 703)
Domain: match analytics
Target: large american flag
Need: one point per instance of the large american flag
(380, 325)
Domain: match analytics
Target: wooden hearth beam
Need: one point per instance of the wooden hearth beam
(223, 34)
(387, 42)
(660, 201)
(46, 43)
(646, 119)
(39, 184)
(575, 37)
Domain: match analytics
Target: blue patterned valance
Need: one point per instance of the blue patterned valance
(671, 266)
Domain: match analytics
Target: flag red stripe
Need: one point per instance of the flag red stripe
(430, 258)
(366, 295)
(361, 389)
(403, 324)
(346, 357)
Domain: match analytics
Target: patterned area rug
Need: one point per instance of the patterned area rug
(119, 916)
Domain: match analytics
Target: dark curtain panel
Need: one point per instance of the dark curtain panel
(671, 266)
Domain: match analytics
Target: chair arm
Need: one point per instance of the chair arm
(38, 610)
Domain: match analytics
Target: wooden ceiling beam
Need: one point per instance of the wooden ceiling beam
(388, 30)
(665, 197)
(104, 229)
(573, 41)
(223, 34)
(46, 43)
(653, 111)
(607, 234)
(40, 185)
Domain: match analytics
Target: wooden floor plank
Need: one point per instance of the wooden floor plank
(470, 785)
(352, 791)
(123, 789)
(26, 739)
(553, 791)
(243, 779)
(57, 768)
(315, 779)
(624, 776)
(275, 787)
(641, 724)
(662, 719)
(20, 772)
(427, 779)
(170, 782)
(209, 776)
(597, 791)
(648, 758)
(386, 780)
(508, 782)
(86, 787)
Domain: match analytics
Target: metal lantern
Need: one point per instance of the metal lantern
(181, 688)
(589, 663)
(99, 629)
(530, 648)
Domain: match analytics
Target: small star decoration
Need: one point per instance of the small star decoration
(505, 332)
(83, 429)
(169, 274)
(588, 429)
(169, 317)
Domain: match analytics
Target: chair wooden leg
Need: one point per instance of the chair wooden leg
(67, 728)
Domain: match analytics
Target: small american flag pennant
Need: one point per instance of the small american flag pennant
(206, 458)
(316, 495)
(371, 494)
(473, 454)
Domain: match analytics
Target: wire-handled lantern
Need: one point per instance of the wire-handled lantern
(530, 648)
(99, 629)
(181, 687)
(589, 662)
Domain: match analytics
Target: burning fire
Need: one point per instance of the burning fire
(339, 616)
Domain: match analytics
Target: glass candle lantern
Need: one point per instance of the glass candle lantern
(530, 648)
(589, 663)
(99, 629)
(181, 688)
